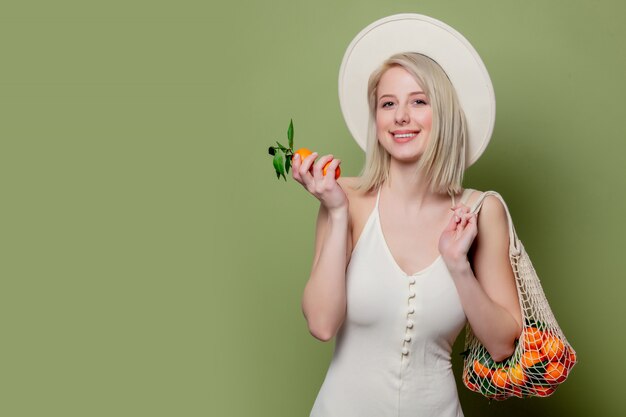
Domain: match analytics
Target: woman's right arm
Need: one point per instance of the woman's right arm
(324, 298)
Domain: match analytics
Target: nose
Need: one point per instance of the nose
(402, 115)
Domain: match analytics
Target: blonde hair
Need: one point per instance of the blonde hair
(443, 162)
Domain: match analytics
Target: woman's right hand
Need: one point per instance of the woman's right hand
(324, 187)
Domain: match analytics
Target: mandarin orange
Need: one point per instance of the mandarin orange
(500, 378)
(555, 373)
(303, 152)
(337, 170)
(553, 347)
(531, 357)
(533, 338)
(543, 391)
(517, 375)
(481, 370)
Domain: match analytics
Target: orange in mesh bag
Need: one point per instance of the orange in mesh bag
(542, 358)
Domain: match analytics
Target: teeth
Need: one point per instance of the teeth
(405, 135)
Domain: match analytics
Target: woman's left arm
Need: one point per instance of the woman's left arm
(488, 292)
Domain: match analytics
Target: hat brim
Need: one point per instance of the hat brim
(440, 42)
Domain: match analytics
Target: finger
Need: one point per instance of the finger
(295, 167)
(451, 226)
(330, 171)
(472, 227)
(308, 162)
(317, 168)
(305, 168)
(306, 179)
(471, 221)
(461, 209)
(464, 218)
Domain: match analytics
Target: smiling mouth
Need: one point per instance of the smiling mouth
(404, 136)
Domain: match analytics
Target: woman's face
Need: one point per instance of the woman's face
(403, 115)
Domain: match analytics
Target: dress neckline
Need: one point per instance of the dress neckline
(388, 250)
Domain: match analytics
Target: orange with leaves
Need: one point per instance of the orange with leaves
(304, 152)
(282, 156)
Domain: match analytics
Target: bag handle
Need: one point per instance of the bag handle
(514, 243)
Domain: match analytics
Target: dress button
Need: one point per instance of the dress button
(405, 351)
(409, 324)
(412, 294)
(407, 337)
(412, 280)
(411, 310)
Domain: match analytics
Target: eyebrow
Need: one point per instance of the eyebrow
(391, 95)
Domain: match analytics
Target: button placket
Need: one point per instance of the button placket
(409, 322)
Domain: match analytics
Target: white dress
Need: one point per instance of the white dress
(392, 353)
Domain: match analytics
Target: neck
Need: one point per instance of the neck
(408, 189)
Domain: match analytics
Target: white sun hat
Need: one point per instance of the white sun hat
(422, 34)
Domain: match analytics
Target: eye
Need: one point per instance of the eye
(419, 101)
(386, 104)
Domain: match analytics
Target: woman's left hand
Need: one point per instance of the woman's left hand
(458, 236)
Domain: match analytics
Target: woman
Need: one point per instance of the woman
(396, 275)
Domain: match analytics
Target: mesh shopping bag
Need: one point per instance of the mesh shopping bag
(542, 358)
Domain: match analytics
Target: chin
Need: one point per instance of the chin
(407, 153)
(408, 159)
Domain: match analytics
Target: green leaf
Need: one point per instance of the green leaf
(536, 372)
(487, 388)
(290, 134)
(485, 358)
(279, 164)
(287, 163)
(281, 146)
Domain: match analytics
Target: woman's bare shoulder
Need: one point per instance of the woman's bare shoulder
(361, 200)
(491, 203)
(361, 203)
(473, 197)
(348, 183)
(349, 186)
(492, 214)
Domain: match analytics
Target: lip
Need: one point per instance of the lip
(404, 132)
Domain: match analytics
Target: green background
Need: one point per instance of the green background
(152, 264)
